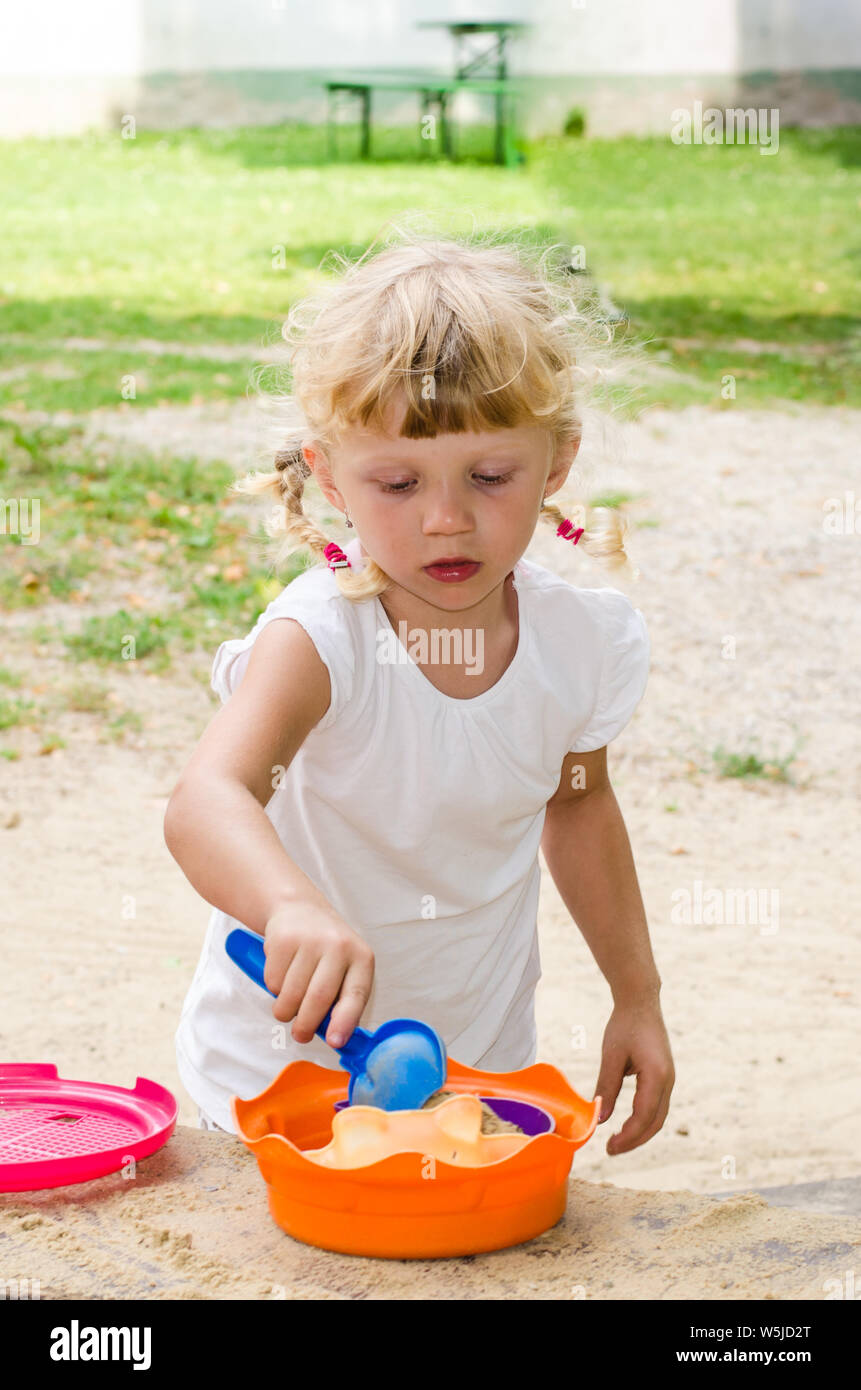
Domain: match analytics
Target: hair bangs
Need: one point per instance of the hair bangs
(450, 368)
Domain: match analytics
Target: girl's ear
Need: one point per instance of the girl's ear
(571, 446)
(317, 461)
(563, 458)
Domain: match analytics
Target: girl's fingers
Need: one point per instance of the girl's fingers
(355, 993)
(295, 983)
(280, 955)
(320, 993)
(650, 1108)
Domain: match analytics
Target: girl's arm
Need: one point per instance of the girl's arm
(217, 829)
(587, 850)
(215, 825)
(586, 846)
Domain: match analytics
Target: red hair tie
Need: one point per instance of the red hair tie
(335, 557)
(566, 530)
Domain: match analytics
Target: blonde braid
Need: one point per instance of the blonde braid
(604, 541)
(287, 485)
(297, 527)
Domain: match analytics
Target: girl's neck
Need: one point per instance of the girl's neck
(491, 628)
(496, 613)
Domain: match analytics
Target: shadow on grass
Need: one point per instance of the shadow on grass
(99, 318)
(90, 316)
(296, 144)
(680, 316)
(842, 144)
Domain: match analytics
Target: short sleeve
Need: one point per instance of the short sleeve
(624, 672)
(321, 614)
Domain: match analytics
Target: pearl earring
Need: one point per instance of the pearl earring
(346, 517)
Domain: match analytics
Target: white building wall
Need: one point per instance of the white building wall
(617, 36)
(69, 64)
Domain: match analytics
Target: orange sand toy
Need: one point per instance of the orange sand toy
(402, 1206)
(451, 1132)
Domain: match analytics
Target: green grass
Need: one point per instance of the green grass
(14, 712)
(749, 765)
(203, 238)
(120, 636)
(193, 239)
(111, 527)
(612, 500)
(129, 721)
(717, 244)
(43, 377)
(87, 697)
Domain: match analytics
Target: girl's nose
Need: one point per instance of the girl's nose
(445, 515)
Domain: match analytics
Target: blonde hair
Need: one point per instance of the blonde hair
(477, 332)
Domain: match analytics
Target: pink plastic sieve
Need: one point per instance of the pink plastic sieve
(54, 1132)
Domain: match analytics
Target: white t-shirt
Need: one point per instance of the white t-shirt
(419, 816)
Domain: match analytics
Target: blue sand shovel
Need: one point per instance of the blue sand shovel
(397, 1067)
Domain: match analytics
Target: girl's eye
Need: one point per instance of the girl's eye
(483, 477)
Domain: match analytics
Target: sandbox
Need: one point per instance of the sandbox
(193, 1223)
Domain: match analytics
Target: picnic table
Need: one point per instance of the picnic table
(483, 71)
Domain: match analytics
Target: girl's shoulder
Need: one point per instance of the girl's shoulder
(334, 624)
(592, 647)
(562, 610)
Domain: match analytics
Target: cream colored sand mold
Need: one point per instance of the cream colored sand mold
(449, 1127)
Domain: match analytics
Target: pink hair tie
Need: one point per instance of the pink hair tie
(335, 557)
(566, 530)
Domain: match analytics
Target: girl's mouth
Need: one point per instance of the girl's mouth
(453, 571)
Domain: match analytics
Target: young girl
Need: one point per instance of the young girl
(372, 795)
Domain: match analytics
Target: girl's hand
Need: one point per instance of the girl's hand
(313, 958)
(636, 1043)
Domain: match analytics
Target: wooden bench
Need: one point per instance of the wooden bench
(432, 91)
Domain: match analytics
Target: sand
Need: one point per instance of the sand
(194, 1224)
(490, 1121)
(101, 931)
